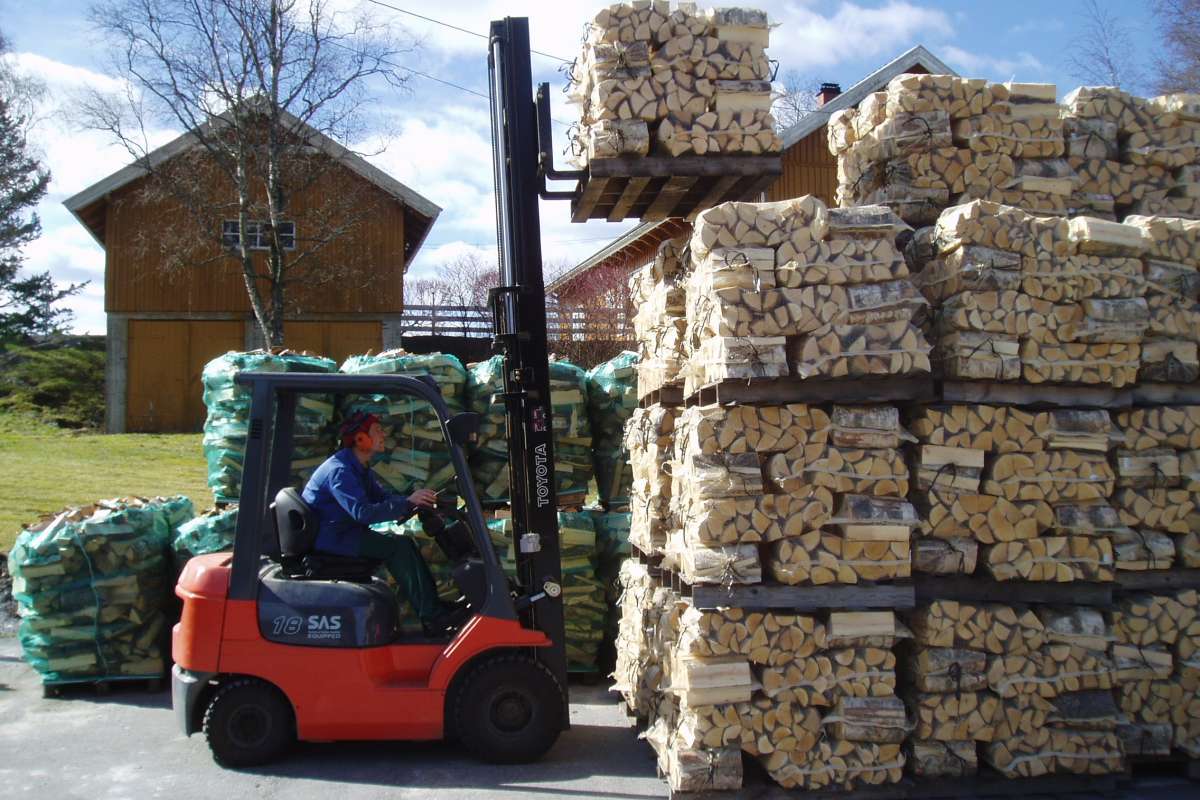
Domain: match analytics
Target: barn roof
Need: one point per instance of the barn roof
(634, 242)
(420, 213)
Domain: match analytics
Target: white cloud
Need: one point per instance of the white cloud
(806, 38)
(1022, 66)
(1044, 25)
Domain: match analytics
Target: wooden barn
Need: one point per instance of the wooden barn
(165, 325)
(808, 168)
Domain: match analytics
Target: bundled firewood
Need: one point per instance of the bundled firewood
(757, 518)
(1055, 476)
(1048, 750)
(759, 727)
(749, 429)
(1051, 671)
(821, 558)
(768, 638)
(1051, 558)
(991, 628)
(955, 716)
(985, 518)
(933, 759)
(649, 79)
(1161, 426)
(836, 764)
(1169, 510)
(878, 472)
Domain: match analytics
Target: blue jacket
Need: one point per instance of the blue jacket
(347, 498)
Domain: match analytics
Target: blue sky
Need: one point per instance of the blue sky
(438, 142)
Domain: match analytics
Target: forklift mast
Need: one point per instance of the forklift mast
(518, 307)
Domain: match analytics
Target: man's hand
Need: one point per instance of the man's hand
(423, 498)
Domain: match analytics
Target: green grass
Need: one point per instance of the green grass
(44, 469)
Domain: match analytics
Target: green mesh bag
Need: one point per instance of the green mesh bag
(573, 469)
(612, 397)
(211, 532)
(416, 454)
(228, 405)
(612, 548)
(92, 586)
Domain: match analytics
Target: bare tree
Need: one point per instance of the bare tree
(459, 287)
(256, 84)
(794, 98)
(1178, 65)
(1103, 53)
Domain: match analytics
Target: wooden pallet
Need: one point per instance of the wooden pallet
(655, 188)
(666, 395)
(1035, 395)
(981, 589)
(1178, 764)
(791, 389)
(1166, 394)
(1158, 579)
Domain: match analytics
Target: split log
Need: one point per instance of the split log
(1161, 426)
(1129, 113)
(874, 518)
(1050, 672)
(1099, 320)
(1082, 277)
(1139, 550)
(725, 565)
(997, 429)
(948, 468)
(733, 358)
(759, 518)
(1020, 715)
(1124, 183)
(837, 764)
(842, 351)
(702, 770)
(1170, 510)
(1031, 137)
(1147, 468)
(1053, 477)
(1150, 702)
(1183, 208)
(710, 681)
(1169, 361)
(737, 429)
(932, 759)
(1050, 750)
(1051, 558)
(758, 225)
(969, 269)
(984, 518)
(1167, 147)
(734, 268)
(992, 628)
(880, 473)
(955, 716)
(768, 726)
(1149, 620)
(706, 476)
(945, 556)
(867, 427)
(761, 637)
(958, 97)
(970, 355)
(941, 670)
(1007, 313)
(868, 719)
(1078, 626)
(821, 679)
(1171, 239)
(842, 261)
(1140, 663)
(1002, 228)
(822, 558)
(609, 138)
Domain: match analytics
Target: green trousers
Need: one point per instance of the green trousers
(403, 560)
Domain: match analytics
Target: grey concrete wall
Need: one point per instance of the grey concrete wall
(116, 373)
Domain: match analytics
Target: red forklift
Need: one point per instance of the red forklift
(278, 643)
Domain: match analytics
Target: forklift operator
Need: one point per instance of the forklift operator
(347, 497)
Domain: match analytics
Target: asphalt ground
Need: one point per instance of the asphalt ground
(124, 744)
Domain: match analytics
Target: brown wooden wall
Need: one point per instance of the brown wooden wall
(137, 229)
(336, 340)
(808, 168)
(166, 358)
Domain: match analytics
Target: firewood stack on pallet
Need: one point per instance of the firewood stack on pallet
(687, 81)
(796, 288)
(928, 142)
(659, 324)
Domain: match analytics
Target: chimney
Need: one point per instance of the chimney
(827, 92)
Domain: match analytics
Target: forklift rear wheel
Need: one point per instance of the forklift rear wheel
(248, 723)
(508, 710)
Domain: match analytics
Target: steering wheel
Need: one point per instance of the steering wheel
(449, 528)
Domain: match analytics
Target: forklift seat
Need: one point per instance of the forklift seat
(296, 529)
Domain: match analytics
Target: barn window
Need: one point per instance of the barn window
(257, 237)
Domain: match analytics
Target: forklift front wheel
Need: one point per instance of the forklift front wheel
(247, 723)
(508, 710)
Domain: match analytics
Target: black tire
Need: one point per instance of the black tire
(247, 723)
(508, 710)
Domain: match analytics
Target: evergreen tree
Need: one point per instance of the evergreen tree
(28, 303)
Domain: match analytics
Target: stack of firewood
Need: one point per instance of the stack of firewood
(812, 697)
(796, 288)
(928, 142)
(657, 292)
(687, 81)
(1015, 494)
(1171, 287)
(1034, 299)
(649, 434)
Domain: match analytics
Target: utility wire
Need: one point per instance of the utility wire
(460, 30)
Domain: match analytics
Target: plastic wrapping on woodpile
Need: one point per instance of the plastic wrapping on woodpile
(415, 454)
(612, 394)
(92, 585)
(228, 405)
(612, 549)
(210, 532)
(572, 431)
